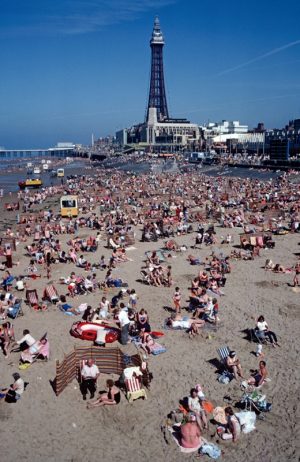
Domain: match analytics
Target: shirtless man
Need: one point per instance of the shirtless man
(190, 433)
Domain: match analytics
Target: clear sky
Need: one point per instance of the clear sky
(70, 68)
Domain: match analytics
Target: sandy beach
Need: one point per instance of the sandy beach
(42, 426)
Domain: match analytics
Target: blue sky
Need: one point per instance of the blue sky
(70, 68)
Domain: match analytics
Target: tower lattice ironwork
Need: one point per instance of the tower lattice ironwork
(157, 92)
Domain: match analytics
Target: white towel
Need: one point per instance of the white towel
(129, 371)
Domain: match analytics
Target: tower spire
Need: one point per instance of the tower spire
(157, 93)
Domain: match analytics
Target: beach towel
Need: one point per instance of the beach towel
(253, 240)
(157, 349)
(129, 371)
(211, 450)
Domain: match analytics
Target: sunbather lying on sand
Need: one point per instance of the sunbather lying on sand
(177, 321)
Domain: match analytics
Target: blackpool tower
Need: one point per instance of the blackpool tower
(157, 92)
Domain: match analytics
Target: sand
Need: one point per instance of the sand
(44, 427)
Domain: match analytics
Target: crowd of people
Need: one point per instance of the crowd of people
(89, 252)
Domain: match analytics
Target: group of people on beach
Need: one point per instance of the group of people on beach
(115, 210)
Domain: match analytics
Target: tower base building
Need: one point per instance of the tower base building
(160, 132)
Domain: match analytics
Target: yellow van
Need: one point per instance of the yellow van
(69, 206)
(60, 172)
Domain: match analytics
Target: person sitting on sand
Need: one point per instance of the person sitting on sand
(112, 397)
(148, 341)
(195, 286)
(39, 349)
(142, 320)
(155, 277)
(263, 331)
(232, 430)
(190, 433)
(88, 314)
(234, 365)
(81, 262)
(15, 391)
(260, 376)
(194, 405)
(26, 341)
(154, 258)
(203, 278)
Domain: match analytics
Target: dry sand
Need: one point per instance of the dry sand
(44, 427)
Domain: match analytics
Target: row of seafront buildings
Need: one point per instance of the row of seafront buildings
(162, 133)
(175, 135)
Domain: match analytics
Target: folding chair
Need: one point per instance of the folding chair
(32, 298)
(133, 386)
(50, 293)
(255, 401)
(16, 310)
(223, 353)
(145, 277)
(8, 282)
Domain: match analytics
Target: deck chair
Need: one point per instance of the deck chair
(8, 282)
(50, 293)
(133, 385)
(145, 277)
(16, 310)
(32, 298)
(223, 353)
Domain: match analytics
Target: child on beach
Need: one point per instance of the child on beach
(133, 299)
(177, 300)
(169, 280)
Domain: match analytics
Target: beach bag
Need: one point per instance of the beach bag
(247, 420)
(118, 282)
(225, 377)
(211, 450)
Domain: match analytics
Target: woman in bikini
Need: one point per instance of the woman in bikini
(112, 397)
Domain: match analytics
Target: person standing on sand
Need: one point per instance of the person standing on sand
(177, 300)
(89, 374)
(8, 254)
(124, 324)
(297, 274)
